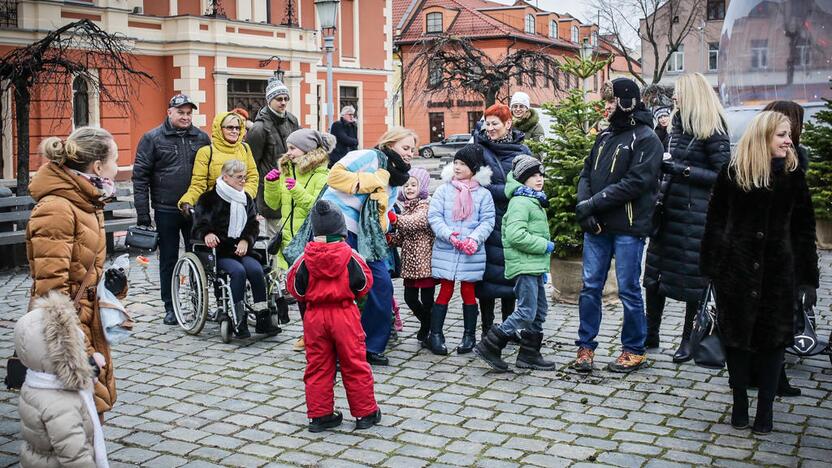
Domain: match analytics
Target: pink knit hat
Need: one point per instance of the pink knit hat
(423, 178)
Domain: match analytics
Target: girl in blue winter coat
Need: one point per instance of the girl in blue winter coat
(461, 215)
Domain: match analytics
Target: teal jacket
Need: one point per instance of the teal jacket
(525, 234)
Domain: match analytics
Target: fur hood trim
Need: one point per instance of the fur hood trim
(307, 163)
(64, 340)
(483, 176)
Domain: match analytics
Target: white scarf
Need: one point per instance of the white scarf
(43, 380)
(237, 200)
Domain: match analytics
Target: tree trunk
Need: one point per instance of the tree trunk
(490, 97)
(22, 100)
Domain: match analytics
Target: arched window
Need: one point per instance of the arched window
(574, 34)
(80, 102)
(530, 24)
(433, 23)
(553, 28)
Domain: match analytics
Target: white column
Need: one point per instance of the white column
(188, 83)
(221, 84)
(244, 10)
(174, 7)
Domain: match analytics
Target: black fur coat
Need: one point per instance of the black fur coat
(758, 246)
(212, 215)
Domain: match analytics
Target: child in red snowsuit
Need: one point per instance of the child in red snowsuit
(329, 277)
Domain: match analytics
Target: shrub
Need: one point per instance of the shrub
(818, 138)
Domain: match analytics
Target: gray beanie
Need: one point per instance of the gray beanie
(525, 166)
(327, 219)
(275, 88)
(307, 139)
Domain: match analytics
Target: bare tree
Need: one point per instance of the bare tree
(451, 66)
(657, 23)
(78, 49)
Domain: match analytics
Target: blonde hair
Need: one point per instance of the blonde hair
(699, 107)
(232, 166)
(232, 115)
(395, 135)
(752, 160)
(81, 148)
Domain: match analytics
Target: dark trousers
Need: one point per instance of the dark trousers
(378, 310)
(420, 300)
(655, 302)
(240, 269)
(170, 225)
(765, 364)
(487, 306)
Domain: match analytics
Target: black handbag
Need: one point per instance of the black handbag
(705, 344)
(142, 237)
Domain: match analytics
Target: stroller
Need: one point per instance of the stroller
(806, 340)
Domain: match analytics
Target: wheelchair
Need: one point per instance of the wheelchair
(196, 274)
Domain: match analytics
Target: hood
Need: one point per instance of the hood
(216, 135)
(511, 185)
(527, 123)
(317, 158)
(483, 176)
(327, 260)
(49, 339)
(52, 179)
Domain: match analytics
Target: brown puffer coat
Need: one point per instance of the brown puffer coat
(64, 235)
(414, 235)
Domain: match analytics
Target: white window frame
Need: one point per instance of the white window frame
(576, 34)
(530, 25)
(93, 101)
(676, 63)
(759, 55)
(433, 15)
(713, 54)
(553, 28)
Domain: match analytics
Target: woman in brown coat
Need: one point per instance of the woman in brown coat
(65, 234)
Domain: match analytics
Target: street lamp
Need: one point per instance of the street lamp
(327, 13)
(586, 54)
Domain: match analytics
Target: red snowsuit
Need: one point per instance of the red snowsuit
(329, 277)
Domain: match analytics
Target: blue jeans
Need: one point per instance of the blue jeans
(170, 225)
(531, 306)
(240, 269)
(377, 316)
(598, 252)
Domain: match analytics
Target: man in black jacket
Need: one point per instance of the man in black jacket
(616, 197)
(162, 171)
(346, 135)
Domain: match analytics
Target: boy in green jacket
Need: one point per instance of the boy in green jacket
(527, 246)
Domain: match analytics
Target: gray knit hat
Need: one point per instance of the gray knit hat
(525, 166)
(307, 139)
(327, 219)
(275, 88)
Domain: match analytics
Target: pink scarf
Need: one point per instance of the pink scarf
(464, 203)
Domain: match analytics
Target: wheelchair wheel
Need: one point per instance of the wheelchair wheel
(225, 331)
(189, 288)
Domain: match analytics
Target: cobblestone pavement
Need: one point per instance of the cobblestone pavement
(193, 401)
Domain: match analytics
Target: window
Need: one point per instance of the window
(575, 34)
(433, 22)
(434, 73)
(759, 53)
(530, 24)
(246, 94)
(553, 28)
(348, 96)
(473, 118)
(804, 53)
(594, 40)
(676, 62)
(713, 56)
(716, 10)
(80, 102)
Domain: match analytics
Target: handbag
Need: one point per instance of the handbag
(142, 237)
(705, 344)
(15, 369)
(294, 249)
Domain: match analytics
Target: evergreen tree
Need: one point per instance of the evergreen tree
(818, 138)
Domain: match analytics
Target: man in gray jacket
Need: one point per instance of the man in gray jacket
(162, 172)
(267, 138)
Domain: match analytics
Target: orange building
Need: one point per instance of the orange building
(213, 59)
(497, 30)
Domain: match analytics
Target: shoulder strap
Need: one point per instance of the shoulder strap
(210, 157)
(85, 283)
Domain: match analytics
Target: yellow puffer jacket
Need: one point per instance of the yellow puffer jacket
(220, 151)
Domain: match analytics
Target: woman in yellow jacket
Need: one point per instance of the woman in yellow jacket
(227, 134)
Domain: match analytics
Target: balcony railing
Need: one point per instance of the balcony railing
(8, 14)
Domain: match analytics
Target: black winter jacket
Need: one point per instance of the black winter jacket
(673, 255)
(621, 175)
(211, 216)
(346, 135)
(267, 138)
(498, 157)
(757, 247)
(163, 167)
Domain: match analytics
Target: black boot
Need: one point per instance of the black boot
(469, 334)
(739, 412)
(282, 310)
(170, 317)
(683, 353)
(325, 422)
(654, 308)
(242, 321)
(436, 339)
(486, 315)
(764, 420)
(784, 388)
(490, 348)
(423, 314)
(529, 356)
(264, 324)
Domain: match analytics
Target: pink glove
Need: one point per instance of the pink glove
(273, 175)
(392, 217)
(469, 246)
(455, 241)
(290, 183)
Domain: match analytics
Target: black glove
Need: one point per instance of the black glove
(585, 209)
(590, 225)
(672, 167)
(143, 220)
(808, 295)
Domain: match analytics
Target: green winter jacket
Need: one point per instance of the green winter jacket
(525, 233)
(310, 172)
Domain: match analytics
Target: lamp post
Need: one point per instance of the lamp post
(327, 13)
(586, 54)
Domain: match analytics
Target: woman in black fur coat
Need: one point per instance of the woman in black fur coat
(759, 248)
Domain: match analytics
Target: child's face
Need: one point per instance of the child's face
(461, 170)
(411, 188)
(535, 182)
(293, 152)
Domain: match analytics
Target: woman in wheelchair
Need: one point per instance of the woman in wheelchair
(225, 218)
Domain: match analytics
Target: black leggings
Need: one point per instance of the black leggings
(420, 307)
(765, 364)
(487, 310)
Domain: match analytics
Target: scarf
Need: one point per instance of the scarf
(371, 241)
(105, 186)
(237, 200)
(46, 381)
(397, 168)
(507, 138)
(524, 191)
(527, 123)
(464, 203)
(281, 115)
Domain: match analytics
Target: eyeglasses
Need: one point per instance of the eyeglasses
(238, 178)
(232, 128)
(282, 99)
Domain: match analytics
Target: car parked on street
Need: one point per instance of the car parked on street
(447, 147)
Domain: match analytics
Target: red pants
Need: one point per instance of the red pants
(333, 331)
(446, 290)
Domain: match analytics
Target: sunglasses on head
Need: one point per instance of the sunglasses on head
(232, 128)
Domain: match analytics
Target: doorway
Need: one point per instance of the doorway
(436, 121)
